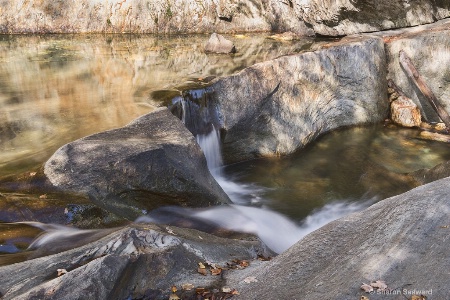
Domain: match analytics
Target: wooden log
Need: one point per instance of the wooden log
(434, 136)
(418, 80)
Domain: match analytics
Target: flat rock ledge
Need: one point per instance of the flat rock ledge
(136, 262)
(153, 161)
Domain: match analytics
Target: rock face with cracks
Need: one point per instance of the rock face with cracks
(344, 17)
(305, 17)
(139, 261)
(152, 161)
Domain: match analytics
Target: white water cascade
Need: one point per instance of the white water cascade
(239, 193)
(276, 230)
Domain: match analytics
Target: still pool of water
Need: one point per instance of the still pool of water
(58, 88)
(362, 164)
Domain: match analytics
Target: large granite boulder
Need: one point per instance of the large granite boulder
(279, 106)
(344, 17)
(135, 262)
(427, 46)
(402, 240)
(153, 161)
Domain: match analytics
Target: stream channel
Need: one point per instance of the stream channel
(57, 88)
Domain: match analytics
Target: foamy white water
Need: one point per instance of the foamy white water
(274, 229)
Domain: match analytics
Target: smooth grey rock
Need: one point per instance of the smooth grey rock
(402, 240)
(135, 261)
(279, 106)
(427, 46)
(344, 17)
(153, 161)
(219, 44)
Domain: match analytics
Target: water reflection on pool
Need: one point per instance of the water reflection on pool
(57, 88)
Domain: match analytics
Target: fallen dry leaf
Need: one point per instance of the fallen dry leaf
(366, 288)
(187, 286)
(201, 265)
(32, 174)
(174, 296)
(44, 196)
(61, 272)
(244, 263)
(379, 284)
(170, 231)
(364, 298)
(202, 271)
(250, 279)
(421, 297)
(226, 289)
(217, 271)
(174, 289)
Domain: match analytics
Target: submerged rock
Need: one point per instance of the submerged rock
(219, 44)
(153, 161)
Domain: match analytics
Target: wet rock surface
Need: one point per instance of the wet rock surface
(153, 161)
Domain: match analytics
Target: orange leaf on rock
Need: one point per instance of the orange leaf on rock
(217, 271)
(202, 271)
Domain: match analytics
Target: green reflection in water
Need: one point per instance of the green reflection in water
(345, 165)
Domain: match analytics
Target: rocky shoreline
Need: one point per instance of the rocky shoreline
(271, 108)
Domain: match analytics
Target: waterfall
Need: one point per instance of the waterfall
(210, 144)
(238, 193)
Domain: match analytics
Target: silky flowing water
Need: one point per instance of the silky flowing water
(58, 88)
